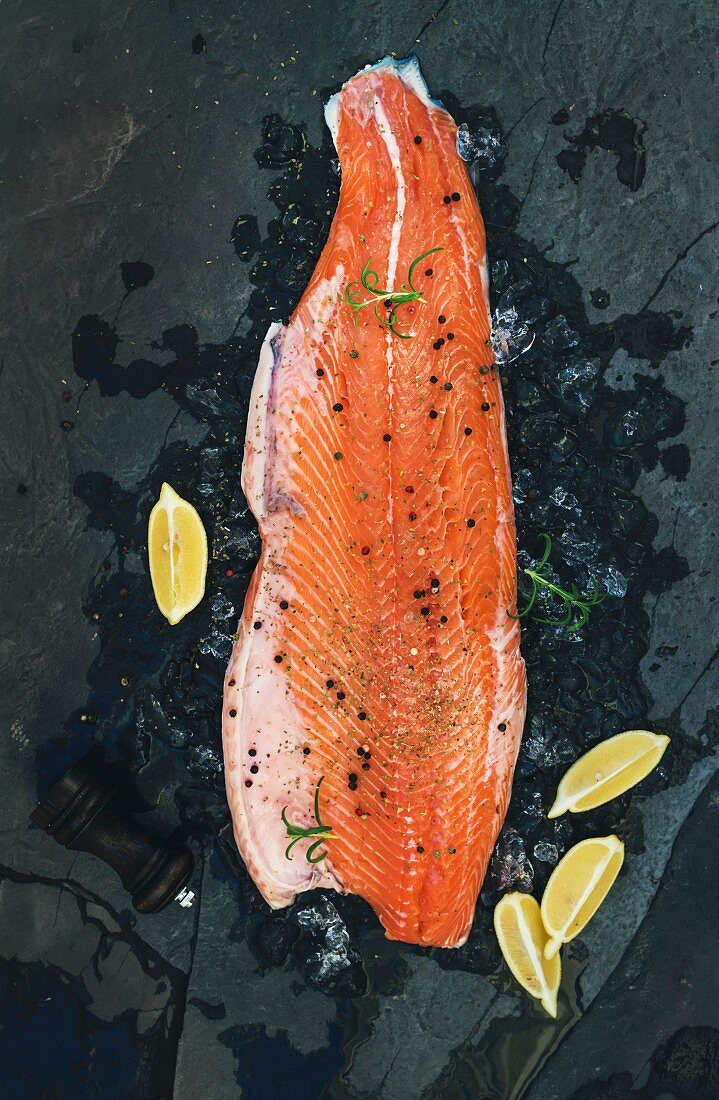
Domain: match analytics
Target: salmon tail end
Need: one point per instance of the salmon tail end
(406, 69)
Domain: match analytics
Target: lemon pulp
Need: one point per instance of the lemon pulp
(577, 887)
(523, 940)
(177, 551)
(608, 770)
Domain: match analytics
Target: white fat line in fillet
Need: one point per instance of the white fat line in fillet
(393, 150)
(394, 156)
(390, 141)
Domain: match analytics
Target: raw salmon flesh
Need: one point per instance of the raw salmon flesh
(375, 697)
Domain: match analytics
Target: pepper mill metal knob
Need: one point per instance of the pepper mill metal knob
(83, 812)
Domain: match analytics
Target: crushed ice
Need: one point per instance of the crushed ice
(510, 336)
(579, 545)
(558, 335)
(235, 539)
(481, 147)
(576, 381)
(204, 762)
(610, 579)
(546, 852)
(219, 639)
(152, 720)
(542, 745)
(333, 952)
(564, 499)
(522, 483)
(511, 867)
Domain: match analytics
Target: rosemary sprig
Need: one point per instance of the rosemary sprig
(392, 298)
(577, 606)
(297, 833)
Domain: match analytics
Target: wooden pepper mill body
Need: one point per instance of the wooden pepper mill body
(83, 812)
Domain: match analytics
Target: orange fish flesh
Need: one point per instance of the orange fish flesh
(375, 698)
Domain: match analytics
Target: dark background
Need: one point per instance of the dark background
(127, 136)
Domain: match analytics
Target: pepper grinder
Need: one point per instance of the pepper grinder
(83, 812)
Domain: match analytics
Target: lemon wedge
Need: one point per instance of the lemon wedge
(577, 887)
(177, 549)
(608, 770)
(523, 941)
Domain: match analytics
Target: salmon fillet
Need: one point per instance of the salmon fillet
(376, 680)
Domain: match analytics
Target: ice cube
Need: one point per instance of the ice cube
(151, 718)
(610, 579)
(558, 335)
(500, 275)
(221, 607)
(219, 639)
(581, 372)
(511, 868)
(237, 539)
(522, 483)
(332, 962)
(542, 744)
(579, 545)
(203, 762)
(546, 852)
(564, 499)
(205, 399)
(531, 804)
(628, 426)
(482, 146)
(576, 382)
(563, 834)
(510, 336)
(211, 471)
(535, 742)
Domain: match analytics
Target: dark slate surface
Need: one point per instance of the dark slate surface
(127, 139)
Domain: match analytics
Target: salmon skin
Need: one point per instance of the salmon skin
(375, 698)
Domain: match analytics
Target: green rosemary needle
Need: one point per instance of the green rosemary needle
(392, 298)
(297, 833)
(577, 606)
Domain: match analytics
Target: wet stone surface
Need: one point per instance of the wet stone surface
(155, 340)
